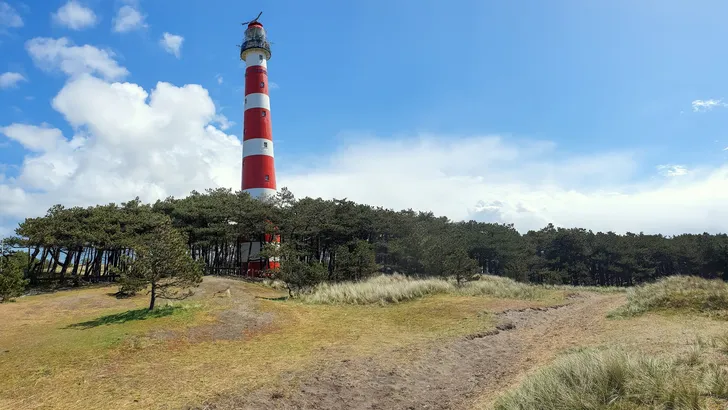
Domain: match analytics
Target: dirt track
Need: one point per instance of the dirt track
(465, 373)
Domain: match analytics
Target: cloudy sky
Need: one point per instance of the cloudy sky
(608, 115)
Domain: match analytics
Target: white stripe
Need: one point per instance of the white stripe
(257, 146)
(257, 100)
(252, 58)
(260, 192)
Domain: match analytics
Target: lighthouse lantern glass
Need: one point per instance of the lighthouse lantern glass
(255, 33)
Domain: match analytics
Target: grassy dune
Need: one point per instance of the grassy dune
(678, 293)
(387, 289)
(615, 379)
(84, 346)
(622, 375)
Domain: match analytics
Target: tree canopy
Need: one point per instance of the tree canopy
(344, 240)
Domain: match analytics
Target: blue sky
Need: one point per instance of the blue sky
(606, 97)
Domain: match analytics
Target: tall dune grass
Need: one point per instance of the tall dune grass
(379, 289)
(677, 292)
(501, 287)
(385, 289)
(614, 379)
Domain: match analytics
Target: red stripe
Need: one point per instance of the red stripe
(253, 80)
(271, 238)
(255, 168)
(255, 125)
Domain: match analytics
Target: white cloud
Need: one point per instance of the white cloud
(9, 17)
(10, 79)
(672, 170)
(273, 85)
(127, 142)
(75, 16)
(219, 78)
(223, 122)
(32, 137)
(128, 18)
(61, 54)
(707, 105)
(492, 179)
(172, 43)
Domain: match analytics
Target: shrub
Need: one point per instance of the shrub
(677, 292)
(613, 379)
(12, 283)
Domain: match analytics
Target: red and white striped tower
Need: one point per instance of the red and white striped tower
(258, 173)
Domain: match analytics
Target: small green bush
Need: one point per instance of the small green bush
(12, 283)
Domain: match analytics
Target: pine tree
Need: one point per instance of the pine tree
(162, 262)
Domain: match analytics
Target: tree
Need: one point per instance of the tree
(357, 263)
(162, 261)
(12, 267)
(297, 273)
(457, 263)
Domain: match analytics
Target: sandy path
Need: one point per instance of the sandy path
(465, 373)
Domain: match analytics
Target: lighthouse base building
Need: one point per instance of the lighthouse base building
(258, 170)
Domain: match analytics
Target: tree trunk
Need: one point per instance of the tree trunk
(66, 261)
(154, 295)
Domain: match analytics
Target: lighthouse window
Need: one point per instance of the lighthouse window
(265, 145)
(267, 177)
(262, 84)
(260, 57)
(262, 113)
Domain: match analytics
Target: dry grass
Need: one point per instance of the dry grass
(677, 293)
(382, 289)
(115, 361)
(501, 287)
(615, 379)
(386, 289)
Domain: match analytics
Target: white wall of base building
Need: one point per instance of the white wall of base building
(260, 192)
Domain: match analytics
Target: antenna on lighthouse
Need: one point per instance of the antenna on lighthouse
(255, 20)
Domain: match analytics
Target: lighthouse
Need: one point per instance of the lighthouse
(258, 173)
(258, 170)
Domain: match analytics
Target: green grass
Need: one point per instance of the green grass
(613, 379)
(677, 293)
(387, 289)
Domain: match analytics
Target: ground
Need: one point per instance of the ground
(247, 348)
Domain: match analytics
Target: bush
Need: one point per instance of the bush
(613, 379)
(677, 292)
(12, 283)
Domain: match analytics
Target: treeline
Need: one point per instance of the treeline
(347, 241)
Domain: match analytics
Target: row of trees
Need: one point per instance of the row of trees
(341, 240)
